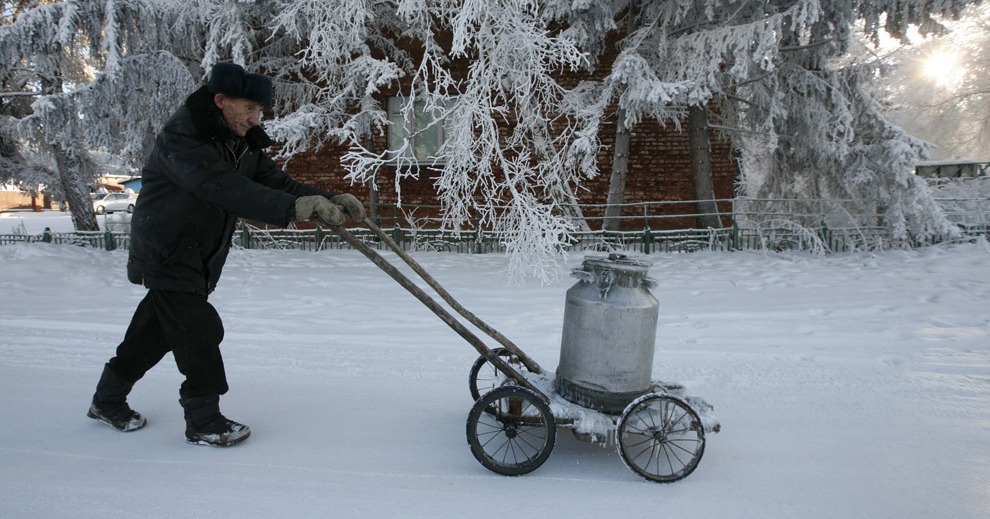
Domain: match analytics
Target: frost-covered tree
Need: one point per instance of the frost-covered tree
(519, 143)
(333, 63)
(485, 70)
(816, 132)
(803, 122)
(97, 78)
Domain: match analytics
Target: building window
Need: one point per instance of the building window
(424, 134)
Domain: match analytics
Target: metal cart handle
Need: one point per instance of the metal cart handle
(430, 303)
(530, 364)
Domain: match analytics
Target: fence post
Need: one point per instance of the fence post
(647, 240)
(479, 235)
(108, 242)
(397, 234)
(46, 236)
(826, 236)
(319, 238)
(245, 236)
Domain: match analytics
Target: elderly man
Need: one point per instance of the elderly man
(207, 170)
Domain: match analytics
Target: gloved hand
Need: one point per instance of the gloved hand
(319, 210)
(351, 206)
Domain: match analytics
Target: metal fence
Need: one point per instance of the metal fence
(811, 225)
(644, 241)
(109, 240)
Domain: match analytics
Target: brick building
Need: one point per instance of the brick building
(659, 171)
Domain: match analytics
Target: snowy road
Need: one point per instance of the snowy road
(847, 386)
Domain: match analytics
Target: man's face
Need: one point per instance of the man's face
(240, 114)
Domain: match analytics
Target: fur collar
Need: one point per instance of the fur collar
(210, 124)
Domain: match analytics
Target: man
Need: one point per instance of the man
(206, 170)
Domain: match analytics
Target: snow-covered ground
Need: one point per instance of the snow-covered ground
(852, 385)
(26, 221)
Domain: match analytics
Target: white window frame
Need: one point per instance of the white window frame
(425, 136)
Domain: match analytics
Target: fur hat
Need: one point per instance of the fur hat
(231, 80)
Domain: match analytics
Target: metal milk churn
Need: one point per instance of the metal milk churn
(610, 327)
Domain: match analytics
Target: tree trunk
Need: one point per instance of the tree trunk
(542, 149)
(620, 154)
(701, 168)
(73, 175)
(620, 170)
(561, 193)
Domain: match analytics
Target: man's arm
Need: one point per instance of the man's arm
(197, 167)
(269, 174)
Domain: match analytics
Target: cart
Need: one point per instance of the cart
(512, 426)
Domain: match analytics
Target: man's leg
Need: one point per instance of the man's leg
(144, 343)
(194, 330)
(143, 346)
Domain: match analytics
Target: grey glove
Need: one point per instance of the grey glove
(351, 206)
(319, 210)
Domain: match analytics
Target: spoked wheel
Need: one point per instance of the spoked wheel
(511, 430)
(660, 437)
(485, 376)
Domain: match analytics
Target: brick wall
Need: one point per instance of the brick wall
(659, 170)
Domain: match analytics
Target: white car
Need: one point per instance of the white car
(112, 202)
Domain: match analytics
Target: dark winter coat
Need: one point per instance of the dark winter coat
(199, 179)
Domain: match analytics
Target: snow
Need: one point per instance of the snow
(26, 221)
(849, 385)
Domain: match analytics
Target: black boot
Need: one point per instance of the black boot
(110, 403)
(206, 426)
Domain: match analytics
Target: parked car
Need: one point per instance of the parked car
(113, 202)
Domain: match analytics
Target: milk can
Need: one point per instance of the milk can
(610, 325)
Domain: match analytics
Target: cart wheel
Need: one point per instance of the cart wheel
(660, 438)
(511, 430)
(485, 376)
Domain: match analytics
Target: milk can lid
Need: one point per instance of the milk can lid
(618, 262)
(615, 267)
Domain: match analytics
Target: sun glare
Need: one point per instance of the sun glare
(943, 68)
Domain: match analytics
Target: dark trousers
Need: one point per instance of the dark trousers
(185, 324)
